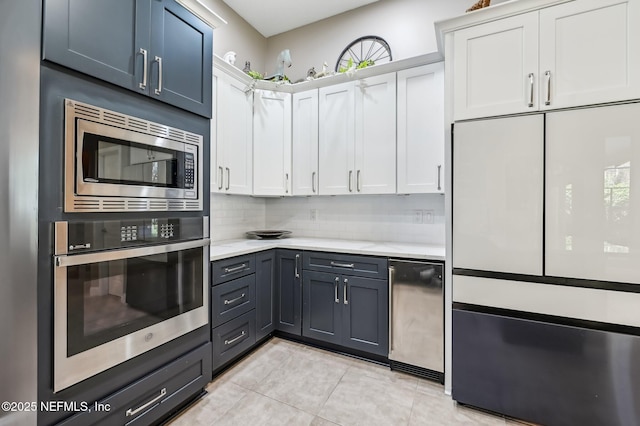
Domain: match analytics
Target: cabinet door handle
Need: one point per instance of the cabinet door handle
(286, 183)
(530, 104)
(159, 89)
(358, 186)
(235, 339)
(350, 180)
(342, 265)
(439, 169)
(131, 412)
(548, 98)
(335, 288)
(235, 269)
(313, 182)
(229, 302)
(221, 177)
(297, 271)
(145, 69)
(344, 291)
(228, 178)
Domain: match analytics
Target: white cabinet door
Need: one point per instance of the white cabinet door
(305, 143)
(336, 139)
(271, 143)
(589, 52)
(495, 66)
(234, 137)
(217, 166)
(421, 129)
(593, 195)
(375, 136)
(498, 195)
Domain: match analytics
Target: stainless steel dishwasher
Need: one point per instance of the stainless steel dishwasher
(416, 315)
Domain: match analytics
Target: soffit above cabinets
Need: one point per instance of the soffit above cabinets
(277, 16)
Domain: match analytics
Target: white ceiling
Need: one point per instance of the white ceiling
(271, 17)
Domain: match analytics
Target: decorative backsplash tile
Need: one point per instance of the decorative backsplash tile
(417, 218)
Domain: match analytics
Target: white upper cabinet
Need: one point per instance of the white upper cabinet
(336, 139)
(495, 67)
(232, 136)
(420, 165)
(305, 143)
(272, 143)
(357, 141)
(572, 54)
(592, 194)
(498, 194)
(589, 52)
(375, 137)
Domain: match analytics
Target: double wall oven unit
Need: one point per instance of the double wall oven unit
(116, 162)
(124, 287)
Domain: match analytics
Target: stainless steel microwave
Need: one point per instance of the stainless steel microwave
(116, 162)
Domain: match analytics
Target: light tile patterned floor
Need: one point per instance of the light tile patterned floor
(287, 383)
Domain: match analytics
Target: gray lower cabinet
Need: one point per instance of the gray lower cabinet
(265, 293)
(347, 310)
(153, 47)
(322, 307)
(154, 396)
(233, 338)
(231, 299)
(288, 308)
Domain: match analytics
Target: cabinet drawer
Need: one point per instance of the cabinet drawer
(163, 391)
(362, 266)
(229, 269)
(232, 299)
(233, 338)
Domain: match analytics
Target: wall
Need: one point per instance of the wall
(363, 217)
(19, 136)
(407, 25)
(237, 36)
(233, 215)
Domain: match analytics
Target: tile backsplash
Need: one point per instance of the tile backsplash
(417, 218)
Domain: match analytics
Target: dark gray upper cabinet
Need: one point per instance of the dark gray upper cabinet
(289, 292)
(322, 307)
(265, 293)
(154, 47)
(181, 58)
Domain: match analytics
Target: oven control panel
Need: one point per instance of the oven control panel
(90, 236)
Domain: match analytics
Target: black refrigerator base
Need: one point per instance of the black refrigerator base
(545, 373)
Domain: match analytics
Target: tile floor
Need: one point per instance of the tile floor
(287, 383)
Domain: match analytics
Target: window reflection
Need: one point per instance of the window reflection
(617, 183)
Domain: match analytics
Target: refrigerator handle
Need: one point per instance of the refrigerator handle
(391, 271)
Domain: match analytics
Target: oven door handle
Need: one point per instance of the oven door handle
(106, 256)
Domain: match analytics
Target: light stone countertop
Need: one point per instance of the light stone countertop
(230, 248)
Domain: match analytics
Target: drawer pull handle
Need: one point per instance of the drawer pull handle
(235, 269)
(235, 339)
(342, 265)
(131, 412)
(228, 302)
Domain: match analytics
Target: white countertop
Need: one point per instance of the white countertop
(231, 248)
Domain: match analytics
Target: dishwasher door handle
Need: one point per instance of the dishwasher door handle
(391, 273)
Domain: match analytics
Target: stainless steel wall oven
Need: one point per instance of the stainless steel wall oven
(116, 162)
(123, 287)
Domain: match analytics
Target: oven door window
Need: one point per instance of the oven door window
(115, 161)
(108, 300)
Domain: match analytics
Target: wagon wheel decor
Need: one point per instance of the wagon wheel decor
(363, 52)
